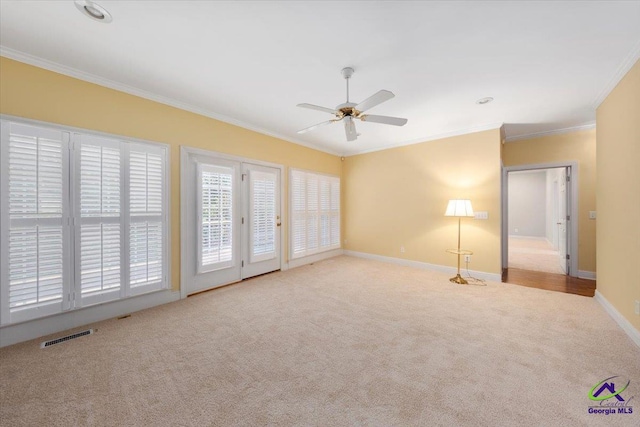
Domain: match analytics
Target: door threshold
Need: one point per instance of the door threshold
(549, 281)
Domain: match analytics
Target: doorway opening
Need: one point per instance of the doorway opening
(539, 227)
(537, 220)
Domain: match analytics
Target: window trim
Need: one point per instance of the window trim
(69, 253)
(319, 249)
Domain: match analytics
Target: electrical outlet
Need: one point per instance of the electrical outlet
(638, 307)
(592, 214)
(467, 258)
(401, 249)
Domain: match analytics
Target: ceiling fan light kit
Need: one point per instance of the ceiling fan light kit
(349, 111)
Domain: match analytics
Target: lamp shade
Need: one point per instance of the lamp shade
(459, 207)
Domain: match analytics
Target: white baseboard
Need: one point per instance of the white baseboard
(13, 334)
(426, 266)
(298, 262)
(591, 275)
(626, 326)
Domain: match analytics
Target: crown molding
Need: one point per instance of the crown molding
(434, 137)
(586, 126)
(623, 69)
(101, 81)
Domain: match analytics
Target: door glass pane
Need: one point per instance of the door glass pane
(215, 217)
(263, 215)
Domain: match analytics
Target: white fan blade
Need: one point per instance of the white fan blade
(395, 121)
(350, 129)
(305, 130)
(375, 99)
(317, 107)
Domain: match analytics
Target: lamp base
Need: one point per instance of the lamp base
(459, 280)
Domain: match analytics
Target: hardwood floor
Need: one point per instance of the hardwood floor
(549, 281)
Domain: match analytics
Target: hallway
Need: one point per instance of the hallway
(535, 254)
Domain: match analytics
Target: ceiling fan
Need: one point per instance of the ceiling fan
(350, 111)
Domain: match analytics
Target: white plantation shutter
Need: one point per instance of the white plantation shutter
(34, 269)
(262, 200)
(335, 212)
(312, 213)
(325, 213)
(99, 209)
(147, 221)
(298, 190)
(215, 217)
(69, 244)
(315, 212)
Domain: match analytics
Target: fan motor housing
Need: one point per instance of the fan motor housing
(347, 109)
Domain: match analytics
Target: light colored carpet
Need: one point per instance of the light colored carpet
(344, 342)
(534, 255)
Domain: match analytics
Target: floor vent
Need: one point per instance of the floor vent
(49, 343)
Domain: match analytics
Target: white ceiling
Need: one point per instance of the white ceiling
(547, 64)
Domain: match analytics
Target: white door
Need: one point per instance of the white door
(261, 220)
(562, 223)
(230, 220)
(212, 216)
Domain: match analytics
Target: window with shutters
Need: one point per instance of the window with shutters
(315, 213)
(99, 219)
(146, 218)
(83, 220)
(34, 170)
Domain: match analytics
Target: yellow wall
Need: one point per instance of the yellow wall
(618, 192)
(579, 147)
(397, 197)
(34, 93)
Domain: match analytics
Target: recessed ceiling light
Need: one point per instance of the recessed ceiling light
(93, 11)
(483, 101)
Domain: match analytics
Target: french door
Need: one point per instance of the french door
(231, 220)
(262, 221)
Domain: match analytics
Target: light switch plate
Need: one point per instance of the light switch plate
(592, 214)
(481, 215)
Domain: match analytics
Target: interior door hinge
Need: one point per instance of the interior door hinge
(243, 175)
(568, 217)
(242, 220)
(568, 178)
(243, 263)
(568, 256)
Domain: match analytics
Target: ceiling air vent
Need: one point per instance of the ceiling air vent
(49, 343)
